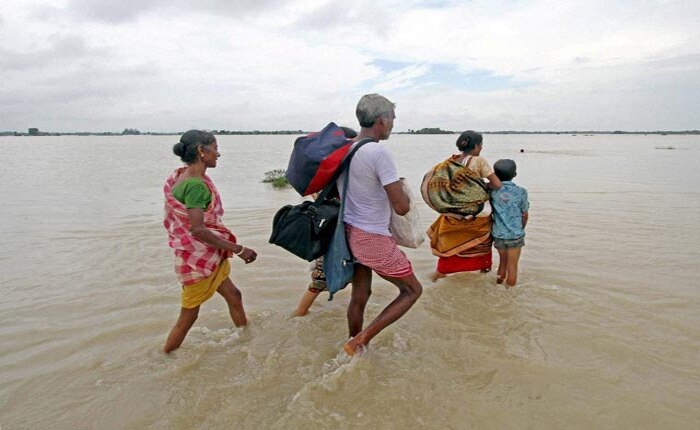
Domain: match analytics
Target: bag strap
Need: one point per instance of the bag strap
(342, 197)
(343, 166)
(479, 182)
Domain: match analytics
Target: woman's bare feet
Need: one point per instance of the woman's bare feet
(436, 275)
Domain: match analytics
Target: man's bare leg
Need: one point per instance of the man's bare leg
(361, 290)
(409, 292)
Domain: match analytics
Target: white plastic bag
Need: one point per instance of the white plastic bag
(406, 229)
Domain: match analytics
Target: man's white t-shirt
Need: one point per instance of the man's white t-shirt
(367, 205)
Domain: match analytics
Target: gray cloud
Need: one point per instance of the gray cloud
(115, 12)
(346, 15)
(123, 11)
(60, 49)
(76, 92)
(331, 14)
(234, 8)
(166, 65)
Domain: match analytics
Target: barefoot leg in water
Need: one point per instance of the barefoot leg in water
(182, 326)
(234, 300)
(502, 265)
(410, 290)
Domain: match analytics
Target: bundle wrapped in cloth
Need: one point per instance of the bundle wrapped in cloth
(451, 187)
(461, 235)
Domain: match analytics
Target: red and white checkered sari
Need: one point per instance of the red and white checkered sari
(194, 259)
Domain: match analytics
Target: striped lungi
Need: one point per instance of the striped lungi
(379, 253)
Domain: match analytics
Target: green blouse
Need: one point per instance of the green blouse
(193, 193)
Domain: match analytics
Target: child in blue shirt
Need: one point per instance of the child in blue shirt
(509, 206)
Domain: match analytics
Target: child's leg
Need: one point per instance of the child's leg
(305, 303)
(318, 284)
(234, 301)
(182, 326)
(502, 264)
(512, 269)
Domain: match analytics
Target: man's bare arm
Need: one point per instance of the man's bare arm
(397, 197)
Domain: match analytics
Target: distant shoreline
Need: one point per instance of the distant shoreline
(301, 132)
(151, 133)
(574, 133)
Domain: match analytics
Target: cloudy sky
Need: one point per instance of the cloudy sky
(171, 65)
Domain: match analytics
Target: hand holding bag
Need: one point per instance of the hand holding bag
(406, 230)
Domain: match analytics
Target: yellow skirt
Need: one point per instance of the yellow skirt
(195, 294)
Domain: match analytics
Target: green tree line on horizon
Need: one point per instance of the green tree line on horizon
(426, 130)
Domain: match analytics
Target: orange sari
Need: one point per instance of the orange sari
(462, 245)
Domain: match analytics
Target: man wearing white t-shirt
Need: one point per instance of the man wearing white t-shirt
(373, 191)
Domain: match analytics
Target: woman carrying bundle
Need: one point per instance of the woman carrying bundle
(456, 187)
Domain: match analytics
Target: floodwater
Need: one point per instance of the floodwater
(603, 330)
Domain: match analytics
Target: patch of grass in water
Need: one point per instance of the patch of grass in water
(276, 178)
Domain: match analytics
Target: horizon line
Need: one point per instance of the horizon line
(301, 132)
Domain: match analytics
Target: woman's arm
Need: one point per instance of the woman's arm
(494, 183)
(201, 232)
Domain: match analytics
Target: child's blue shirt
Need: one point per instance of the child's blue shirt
(508, 204)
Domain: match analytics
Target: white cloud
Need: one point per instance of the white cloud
(168, 65)
(402, 78)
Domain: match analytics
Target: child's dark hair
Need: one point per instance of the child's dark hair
(186, 148)
(505, 169)
(468, 140)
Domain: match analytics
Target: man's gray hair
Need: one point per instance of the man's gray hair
(372, 106)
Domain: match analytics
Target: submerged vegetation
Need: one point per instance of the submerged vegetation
(276, 178)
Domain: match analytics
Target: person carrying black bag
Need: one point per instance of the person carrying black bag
(318, 277)
(306, 229)
(373, 190)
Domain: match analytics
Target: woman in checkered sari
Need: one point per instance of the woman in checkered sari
(202, 244)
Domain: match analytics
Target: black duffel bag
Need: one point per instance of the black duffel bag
(306, 229)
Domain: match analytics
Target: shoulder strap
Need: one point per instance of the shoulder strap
(343, 166)
(348, 158)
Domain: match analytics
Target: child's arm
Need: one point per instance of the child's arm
(524, 207)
